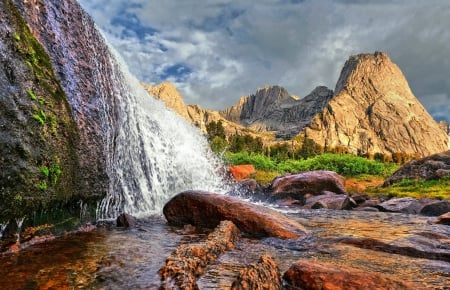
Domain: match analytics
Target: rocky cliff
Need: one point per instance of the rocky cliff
(38, 137)
(194, 114)
(273, 109)
(371, 111)
(374, 111)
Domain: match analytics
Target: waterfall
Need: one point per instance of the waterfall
(153, 152)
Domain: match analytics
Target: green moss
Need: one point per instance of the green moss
(16, 36)
(44, 170)
(39, 119)
(31, 95)
(42, 185)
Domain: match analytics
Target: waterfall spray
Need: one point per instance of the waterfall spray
(153, 152)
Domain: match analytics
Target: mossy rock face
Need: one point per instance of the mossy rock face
(38, 137)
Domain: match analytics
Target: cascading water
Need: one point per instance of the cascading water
(154, 153)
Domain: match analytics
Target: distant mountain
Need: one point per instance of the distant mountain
(273, 109)
(195, 114)
(372, 110)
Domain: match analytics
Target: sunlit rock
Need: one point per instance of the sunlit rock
(200, 208)
(310, 182)
(314, 276)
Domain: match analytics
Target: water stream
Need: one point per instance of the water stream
(129, 259)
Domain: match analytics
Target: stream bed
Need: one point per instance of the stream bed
(406, 247)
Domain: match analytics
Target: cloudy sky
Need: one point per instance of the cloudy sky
(218, 50)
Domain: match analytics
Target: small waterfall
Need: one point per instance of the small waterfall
(153, 152)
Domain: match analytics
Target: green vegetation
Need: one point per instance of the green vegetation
(39, 119)
(44, 170)
(31, 95)
(364, 173)
(347, 165)
(416, 188)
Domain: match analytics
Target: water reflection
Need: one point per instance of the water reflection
(130, 259)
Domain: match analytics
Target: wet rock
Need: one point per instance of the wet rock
(330, 200)
(360, 198)
(434, 166)
(368, 208)
(314, 276)
(251, 184)
(310, 182)
(436, 208)
(404, 205)
(417, 246)
(444, 219)
(240, 172)
(126, 221)
(189, 261)
(369, 203)
(206, 209)
(259, 276)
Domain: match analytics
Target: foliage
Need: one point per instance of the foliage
(39, 119)
(218, 145)
(44, 170)
(248, 143)
(258, 160)
(215, 129)
(417, 188)
(347, 165)
(31, 95)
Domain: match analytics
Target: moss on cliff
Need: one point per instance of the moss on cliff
(38, 136)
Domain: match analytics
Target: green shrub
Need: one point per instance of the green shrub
(258, 160)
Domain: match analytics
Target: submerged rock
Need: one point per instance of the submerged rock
(314, 276)
(207, 209)
(404, 205)
(310, 182)
(189, 261)
(125, 220)
(259, 276)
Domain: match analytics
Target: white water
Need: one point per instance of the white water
(153, 153)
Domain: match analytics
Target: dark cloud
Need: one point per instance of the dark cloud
(218, 50)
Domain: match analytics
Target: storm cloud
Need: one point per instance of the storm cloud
(217, 50)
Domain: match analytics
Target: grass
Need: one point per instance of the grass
(439, 189)
(362, 175)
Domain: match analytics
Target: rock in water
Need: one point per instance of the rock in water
(313, 276)
(405, 205)
(189, 261)
(312, 182)
(200, 208)
(444, 219)
(263, 275)
(434, 166)
(126, 221)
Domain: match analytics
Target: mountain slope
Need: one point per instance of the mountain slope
(374, 111)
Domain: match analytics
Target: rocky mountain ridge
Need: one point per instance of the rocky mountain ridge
(372, 110)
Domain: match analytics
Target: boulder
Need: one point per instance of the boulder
(200, 208)
(240, 172)
(404, 205)
(434, 166)
(314, 276)
(251, 184)
(436, 208)
(189, 261)
(259, 276)
(309, 182)
(126, 221)
(444, 219)
(330, 200)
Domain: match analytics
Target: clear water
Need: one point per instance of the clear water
(130, 259)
